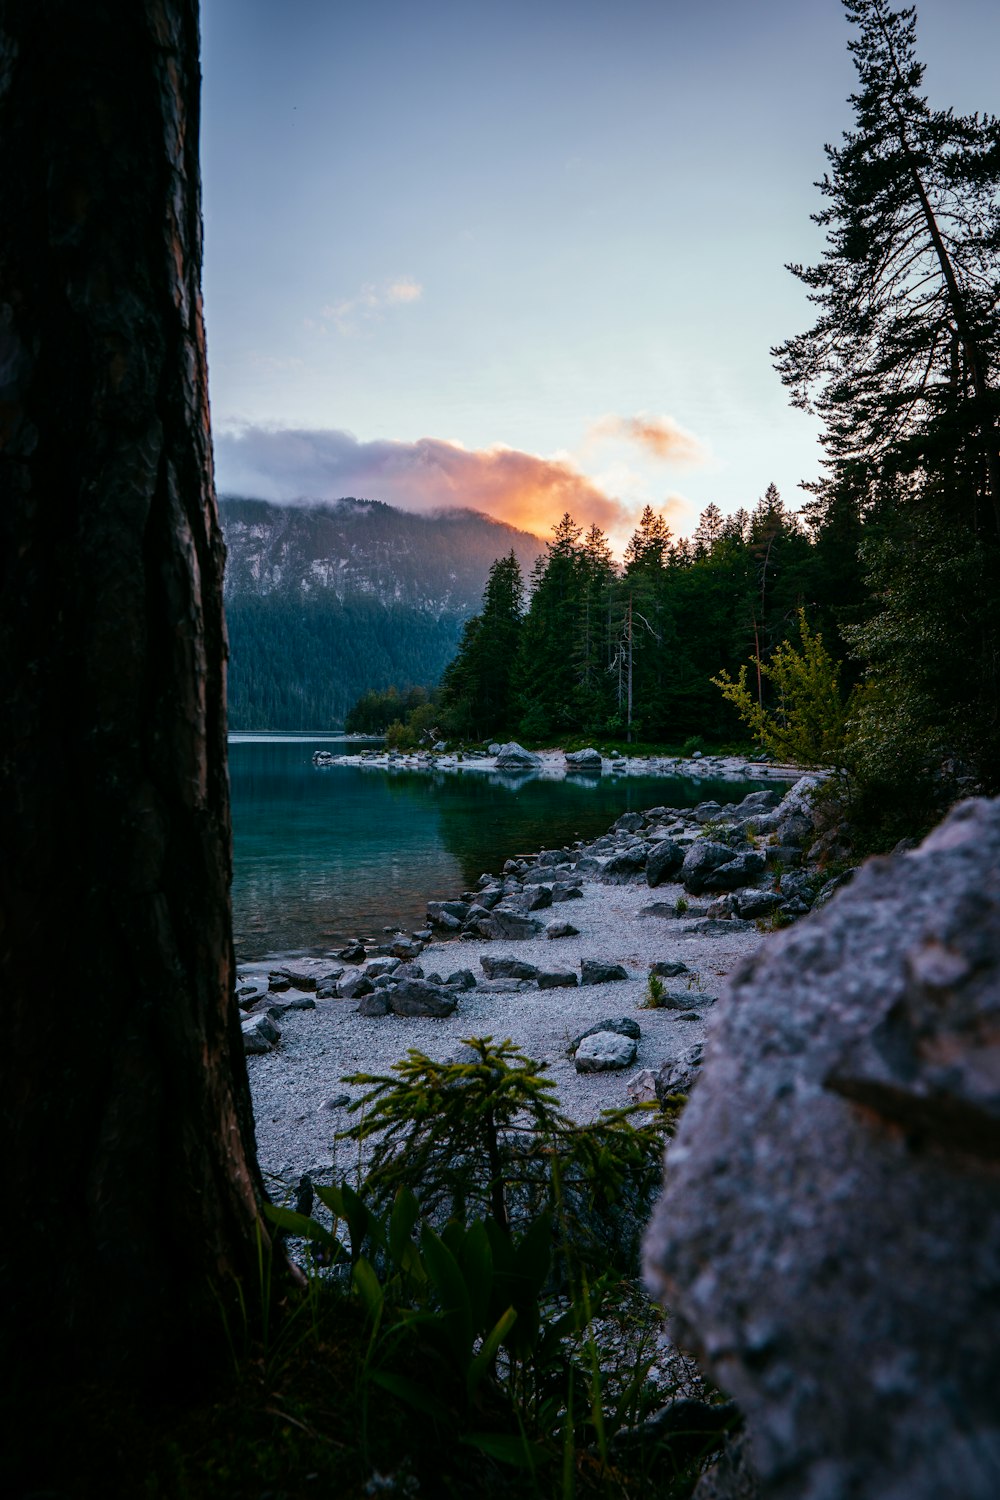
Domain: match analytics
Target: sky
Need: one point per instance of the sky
(526, 255)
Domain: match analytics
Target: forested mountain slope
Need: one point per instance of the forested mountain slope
(325, 601)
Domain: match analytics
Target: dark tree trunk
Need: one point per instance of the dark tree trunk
(130, 1177)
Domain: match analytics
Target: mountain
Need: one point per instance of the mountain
(325, 601)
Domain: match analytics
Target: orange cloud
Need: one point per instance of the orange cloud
(520, 488)
(661, 436)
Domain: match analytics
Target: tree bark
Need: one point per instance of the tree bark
(128, 1152)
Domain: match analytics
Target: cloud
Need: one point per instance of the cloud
(661, 437)
(520, 488)
(365, 304)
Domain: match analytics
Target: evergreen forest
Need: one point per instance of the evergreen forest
(888, 578)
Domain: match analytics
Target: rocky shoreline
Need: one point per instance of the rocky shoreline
(555, 765)
(554, 952)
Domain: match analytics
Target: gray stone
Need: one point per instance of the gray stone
(510, 925)
(630, 822)
(753, 904)
(561, 930)
(533, 898)
(668, 968)
(291, 1001)
(664, 861)
(585, 760)
(300, 979)
(596, 971)
(447, 914)
(565, 891)
(249, 991)
(603, 1052)
(736, 872)
(700, 860)
(514, 757)
(260, 1034)
(354, 986)
(829, 1233)
(506, 986)
(642, 1088)
(628, 864)
(461, 979)
(678, 1076)
(380, 966)
(375, 1004)
(405, 948)
(507, 967)
(621, 1025)
(714, 927)
(409, 971)
(557, 979)
(354, 953)
(707, 812)
(415, 997)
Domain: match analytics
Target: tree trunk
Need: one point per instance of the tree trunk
(129, 1160)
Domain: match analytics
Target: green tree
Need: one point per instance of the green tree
(902, 365)
(477, 688)
(806, 725)
(902, 358)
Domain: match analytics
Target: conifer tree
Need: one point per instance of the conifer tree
(477, 688)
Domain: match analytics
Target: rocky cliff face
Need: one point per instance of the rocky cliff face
(829, 1235)
(363, 548)
(325, 602)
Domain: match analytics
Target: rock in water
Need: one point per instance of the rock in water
(829, 1233)
(514, 757)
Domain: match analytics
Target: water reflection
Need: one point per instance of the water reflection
(322, 854)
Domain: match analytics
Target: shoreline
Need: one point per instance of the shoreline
(555, 765)
(323, 1033)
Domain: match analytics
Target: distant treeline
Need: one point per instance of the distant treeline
(604, 650)
(298, 661)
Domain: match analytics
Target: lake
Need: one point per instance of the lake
(323, 854)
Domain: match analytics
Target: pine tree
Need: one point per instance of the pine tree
(903, 356)
(477, 693)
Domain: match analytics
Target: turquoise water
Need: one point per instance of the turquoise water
(324, 854)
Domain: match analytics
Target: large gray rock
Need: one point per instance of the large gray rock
(260, 1034)
(735, 872)
(603, 1052)
(415, 997)
(514, 757)
(829, 1233)
(664, 860)
(505, 967)
(512, 925)
(700, 860)
(557, 979)
(585, 760)
(627, 864)
(597, 971)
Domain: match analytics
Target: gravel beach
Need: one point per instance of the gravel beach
(296, 1086)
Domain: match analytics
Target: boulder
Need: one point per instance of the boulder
(630, 822)
(668, 968)
(700, 860)
(664, 860)
(510, 925)
(642, 1088)
(603, 1052)
(628, 863)
(708, 812)
(507, 968)
(557, 979)
(405, 947)
(585, 760)
(566, 891)
(415, 997)
(678, 1076)
(354, 986)
(380, 966)
(354, 953)
(736, 872)
(461, 979)
(514, 757)
(561, 930)
(622, 1025)
(259, 1034)
(714, 927)
(300, 979)
(532, 898)
(375, 1004)
(447, 914)
(829, 1232)
(753, 904)
(596, 971)
(326, 988)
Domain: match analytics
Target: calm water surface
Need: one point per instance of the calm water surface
(324, 854)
